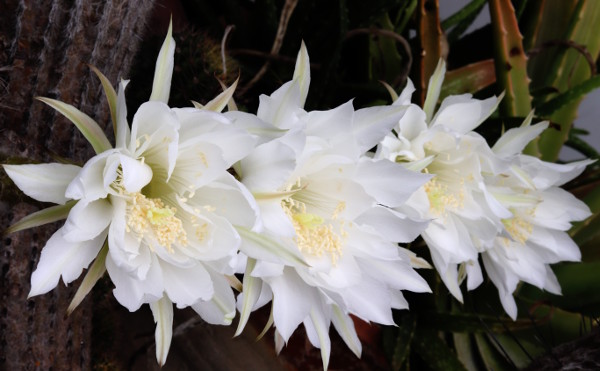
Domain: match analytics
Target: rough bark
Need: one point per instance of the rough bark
(45, 47)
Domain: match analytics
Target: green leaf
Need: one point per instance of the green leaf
(94, 273)
(470, 322)
(45, 216)
(462, 19)
(403, 337)
(432, 349)
(88, 127)
(490, 356)
(469, 79)
(574, 94)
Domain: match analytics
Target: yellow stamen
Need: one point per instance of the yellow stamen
(151, 216)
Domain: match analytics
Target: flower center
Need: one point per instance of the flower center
(440, 198)
(150, 216)
(314, 236)
(518, 228)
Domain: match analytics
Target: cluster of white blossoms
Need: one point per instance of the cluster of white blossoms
(311, 218)
(497, 202)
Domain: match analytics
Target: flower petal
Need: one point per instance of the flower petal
(220, 310)
(162, 310)
(186, 286)
(163, 72)
(63, 258)
(87, 220)
(43, 182)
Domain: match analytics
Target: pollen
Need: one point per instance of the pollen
(518, 228)
(314, 236)
(441, 199)
(151, 218)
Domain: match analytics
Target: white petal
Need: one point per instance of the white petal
(163, 71)
(514, 140)
(292, 302)
(320, 321)
(377, 308)
(345, 327)
(462, 113)
(230, 199)
(220, 310)
(43, 182)
(63, 258)
(269, 167)
(283, 107)
(162, 311)
(406, 94)
(413, 122)
(186, 286)
(123, 133)
(434, 88)
(132, 292)
(392, 225)
(154, 128)
(372, 124)
(89, 183)
(136, 174)
(251, 293)
(388, 182)
(302, 73)
(87, 220)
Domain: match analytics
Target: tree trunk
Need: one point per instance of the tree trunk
(45, 47)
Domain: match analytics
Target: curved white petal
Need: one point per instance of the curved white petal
(43, 182)
(87, 220)
(63, 258)
(187, 286)
(162, 310)
(89, 183)
(220, 310)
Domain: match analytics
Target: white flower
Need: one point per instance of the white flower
(328, 243)
(162, 199)
(463, 215)
(534, 235)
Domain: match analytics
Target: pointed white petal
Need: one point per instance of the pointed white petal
(92, 276)
(88, 127)
(282, 107)
(345, 327)
(292, 302)
(63, 258)
(251, 289)
(221, 100)
(48, 215)
(462, 113)
(321, 325)
(43, 182)
(162, 311)
(406, 94)
(161, 85)
(302, 73)
(372, 124)
(514, 140)
(434, 88)
(123, 133)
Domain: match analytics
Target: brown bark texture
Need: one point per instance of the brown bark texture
(45, 47)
